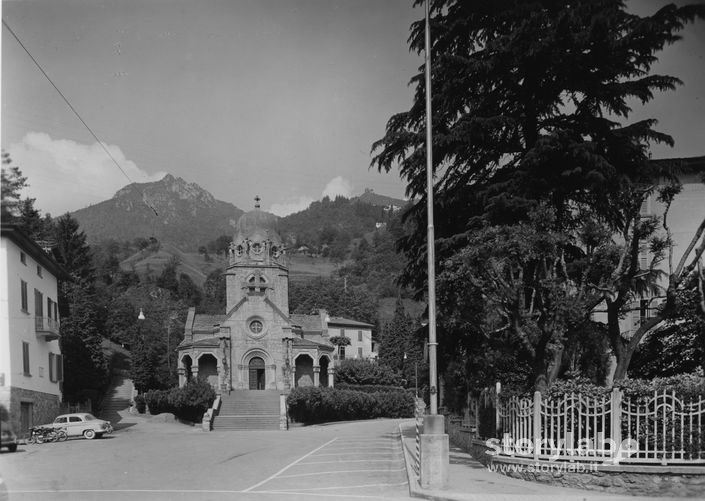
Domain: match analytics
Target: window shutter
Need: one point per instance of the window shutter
(25, 357)
(59, 367)
(23, 295)
(52, 369)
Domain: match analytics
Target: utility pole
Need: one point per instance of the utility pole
(434, 448)
(431, 239)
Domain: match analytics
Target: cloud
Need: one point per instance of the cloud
(64, 175)
(338, 186)
(291, 206)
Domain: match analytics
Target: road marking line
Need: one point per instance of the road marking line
(339, 471)
(398, 460)
(94, 491)
(289, 466)
(354, 453)
(327, 495)
(362, 440)
(275, 491)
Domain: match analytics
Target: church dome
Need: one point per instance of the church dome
(258, 226)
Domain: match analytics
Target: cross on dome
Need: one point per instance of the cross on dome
(257, 199)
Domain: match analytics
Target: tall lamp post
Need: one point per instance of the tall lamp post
(430, 239)
(434, 445)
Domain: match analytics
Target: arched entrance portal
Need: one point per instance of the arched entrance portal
(208, 369)
(304, 371)
(257, 374)
(187, 364)
(323, 377)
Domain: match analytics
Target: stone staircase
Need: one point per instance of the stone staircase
(117, 398)
(248, 410)
(119, 393)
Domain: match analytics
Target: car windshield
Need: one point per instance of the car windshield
(89, 417)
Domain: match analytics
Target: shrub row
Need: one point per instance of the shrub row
(315, 405)
(371, 388)
(358, 371)
(686, 386)
(189, 402)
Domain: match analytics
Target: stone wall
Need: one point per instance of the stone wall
(45, 407)
(680, 481)
(634, 480)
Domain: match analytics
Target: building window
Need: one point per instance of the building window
(256, 326)
(23, 294)
(359, 353)
(25, 358)
(56, 368)
(341, 352)
(23, 258)
(342, 332)
(644, 311)
(38, 304)
(256, 285)
(39, 271)
(359, 336)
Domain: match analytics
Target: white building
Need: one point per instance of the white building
(684, 216)
(359, 333)
(31, 366)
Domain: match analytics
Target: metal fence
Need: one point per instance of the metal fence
(660, 428)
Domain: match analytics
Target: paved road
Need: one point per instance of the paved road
(170, 461)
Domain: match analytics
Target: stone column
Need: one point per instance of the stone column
(283, 421)
(272, 384)
(293, 376)
(331, 377)
(182, 376)
(316, 376)
(241, 376)
(194, 371)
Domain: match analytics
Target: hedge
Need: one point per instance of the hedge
(357, 371)
(189, 402)
(315, 405)
(686, 386)
(371, 388)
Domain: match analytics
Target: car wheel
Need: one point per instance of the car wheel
(12, 448)
(89, 434)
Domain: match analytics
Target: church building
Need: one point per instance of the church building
(256, 344)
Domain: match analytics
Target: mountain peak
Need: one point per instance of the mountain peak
(172, 209)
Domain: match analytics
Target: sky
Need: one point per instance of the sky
(277, 98)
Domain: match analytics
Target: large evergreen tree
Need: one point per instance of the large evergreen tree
(531, 104)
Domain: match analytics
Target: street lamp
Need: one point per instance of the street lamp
(416, 376)
(172, 316)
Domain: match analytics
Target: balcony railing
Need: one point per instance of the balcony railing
(47, 327)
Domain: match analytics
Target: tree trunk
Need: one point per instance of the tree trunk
(624, 357)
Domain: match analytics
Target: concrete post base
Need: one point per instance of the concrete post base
(434, 453)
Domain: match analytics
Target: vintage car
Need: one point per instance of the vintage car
(7, 437)
(82, 423)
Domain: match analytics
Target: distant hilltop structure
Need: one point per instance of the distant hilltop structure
(390, 204)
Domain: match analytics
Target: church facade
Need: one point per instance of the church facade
(256, 344)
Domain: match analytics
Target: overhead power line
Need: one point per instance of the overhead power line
(75, 112)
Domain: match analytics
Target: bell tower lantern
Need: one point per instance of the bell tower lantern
(258, 265)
